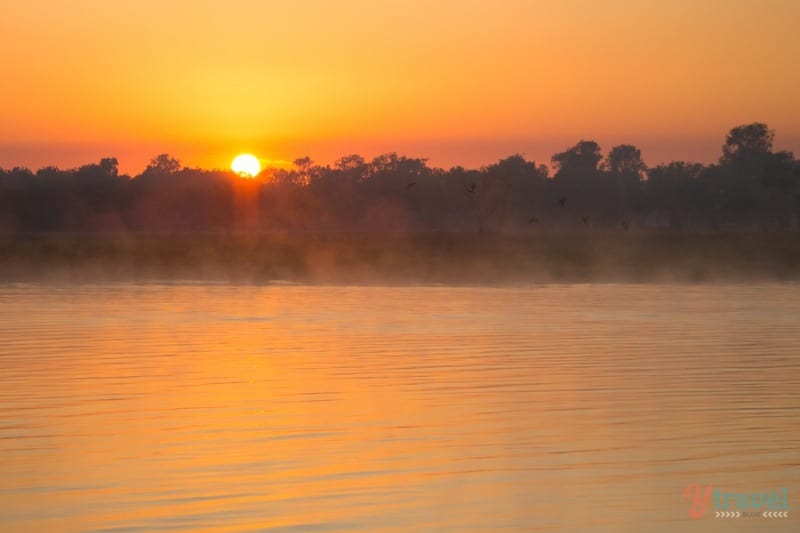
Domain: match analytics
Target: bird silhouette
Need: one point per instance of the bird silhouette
(533, 220)
(562, 202)
(625, 225)
(471, 188)
(411, 184)
(585, 219)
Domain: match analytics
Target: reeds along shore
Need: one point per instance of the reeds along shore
(388, 258)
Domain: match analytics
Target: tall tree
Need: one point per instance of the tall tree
(747, 141)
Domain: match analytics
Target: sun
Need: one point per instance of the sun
(246, 165)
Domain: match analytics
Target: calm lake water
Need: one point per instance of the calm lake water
(305, 408)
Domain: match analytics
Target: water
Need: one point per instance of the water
(568, 407)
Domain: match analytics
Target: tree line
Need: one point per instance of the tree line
(751, 187)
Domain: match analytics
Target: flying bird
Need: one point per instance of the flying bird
(585, 219)
(533, 220)
(625, 225)
(411, 184)
(562, 202)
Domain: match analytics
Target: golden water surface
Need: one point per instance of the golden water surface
(139, 407)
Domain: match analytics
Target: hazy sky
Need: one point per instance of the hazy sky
(458, 81)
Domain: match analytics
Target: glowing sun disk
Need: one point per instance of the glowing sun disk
(246, 165)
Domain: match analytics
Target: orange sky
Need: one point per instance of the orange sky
(458, 81)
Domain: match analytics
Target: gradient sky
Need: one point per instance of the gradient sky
(458, 81)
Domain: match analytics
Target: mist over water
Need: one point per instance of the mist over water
(383, 258)
(196, 406)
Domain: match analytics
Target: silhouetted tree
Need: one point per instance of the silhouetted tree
(626, 160)
(579, 180)
(509, 190)
(163, 165)
(579, 162)
(677, 194)
(109, 166)
(738, 179)
(626, 170)
(750, 140)
(750, 187)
